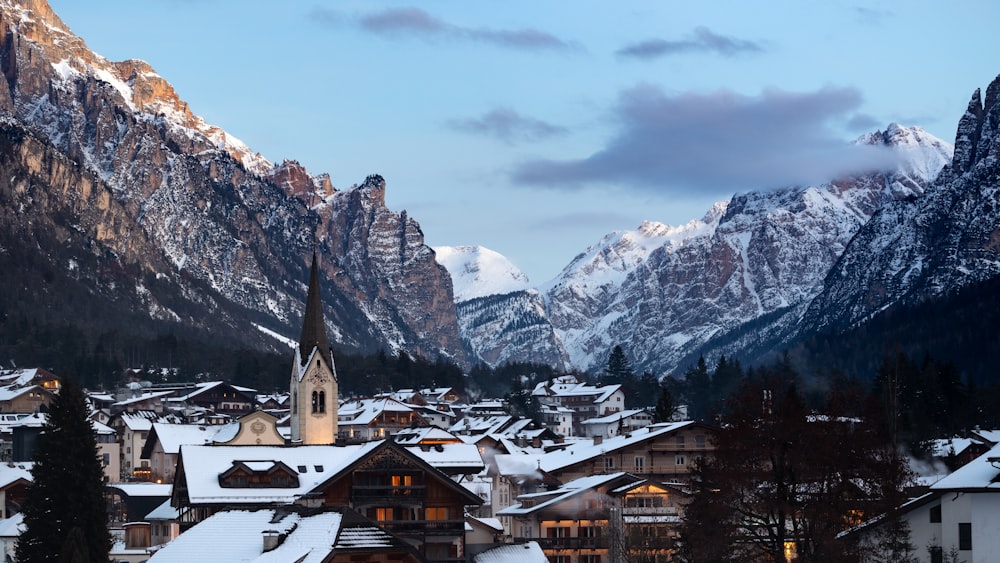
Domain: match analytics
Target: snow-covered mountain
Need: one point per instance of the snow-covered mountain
(924, 247)
(663, 293)
(120, 207)
(501, 318)
(477, 271)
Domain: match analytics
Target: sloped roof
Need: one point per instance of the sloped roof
(529, 552)
(614, 417)
(173, 436)
(583, 451)
(313, 465)
(364, 411)
(569, 490)
(982, 473)
(236, 536)
(11, 473)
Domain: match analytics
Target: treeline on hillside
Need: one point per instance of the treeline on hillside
(919, 399)
(98, 360)
(962, 329)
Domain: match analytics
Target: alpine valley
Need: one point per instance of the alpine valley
(122, 211)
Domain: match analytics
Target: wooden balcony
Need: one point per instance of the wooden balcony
(428, 527)
(570, 543)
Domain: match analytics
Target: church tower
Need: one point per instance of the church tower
(313, 383)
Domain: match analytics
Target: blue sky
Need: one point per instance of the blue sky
(536, 127)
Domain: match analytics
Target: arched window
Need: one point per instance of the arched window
(319, 402)
(295, 402)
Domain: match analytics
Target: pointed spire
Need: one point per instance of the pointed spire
(313, 328)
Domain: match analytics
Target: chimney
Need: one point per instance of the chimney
(598, 440)
(272, 539)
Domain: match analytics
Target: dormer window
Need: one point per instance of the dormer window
(259, 475)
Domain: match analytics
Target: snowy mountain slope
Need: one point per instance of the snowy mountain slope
(477, 271)
(174, 220)
(662, 293)
(500, 317)
(928, 246)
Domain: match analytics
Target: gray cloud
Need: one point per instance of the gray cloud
(703, 41)
(714, 144)
(414, 22)
(508, 126)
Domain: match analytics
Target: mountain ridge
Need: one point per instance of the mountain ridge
(217, 237)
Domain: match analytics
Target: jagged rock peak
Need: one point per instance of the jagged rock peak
(897, 135)
(373, 189)
(967, 136)
(296, 181)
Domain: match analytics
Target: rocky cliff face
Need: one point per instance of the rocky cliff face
(927, 246)
(664, 293)
(112, 186)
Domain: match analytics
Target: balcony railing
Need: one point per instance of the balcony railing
(572, 543)
(369, 492)
(429, 527)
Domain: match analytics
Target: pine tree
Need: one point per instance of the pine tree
(65, 515)
(665, 406)
(619, 369)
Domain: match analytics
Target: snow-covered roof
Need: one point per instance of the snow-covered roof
(172, 436)
(982, 473)
(451, 456)
(312, 464)
(991, 436)
(582, 451)
(364, 411)
(163, 512)
(614, 417)
(13, 526)
(236, 536)
(12, 392)
(143, 489)
(492, 523)
(546, 499)
(481, 425)
(529, 552)
(143, 397)
(12, 472)
(413, 436)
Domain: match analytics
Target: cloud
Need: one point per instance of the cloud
(414, 22)
(508, 126)
(703, 41)
(865, 14)
(714, 144)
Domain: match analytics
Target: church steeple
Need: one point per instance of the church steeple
(313, 328)
(313, 384)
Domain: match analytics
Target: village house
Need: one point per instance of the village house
(363, 420)
(614, 424)
(579, 522)
(958, 516)
(381, 480)
(661, 452)
(586, 401)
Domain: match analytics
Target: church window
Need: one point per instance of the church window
(318, 402)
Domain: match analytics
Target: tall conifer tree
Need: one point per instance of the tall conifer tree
(65, 514)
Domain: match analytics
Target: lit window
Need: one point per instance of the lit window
(436, 513)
